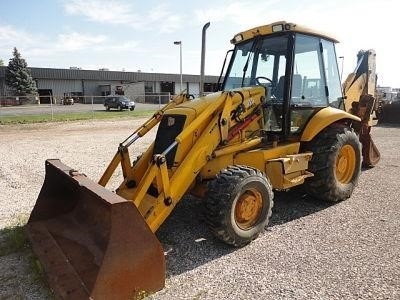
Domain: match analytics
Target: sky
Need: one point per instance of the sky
(132, 35)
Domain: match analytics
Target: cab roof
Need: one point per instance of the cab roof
(281, 26)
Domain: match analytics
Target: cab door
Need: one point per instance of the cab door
(315, 81)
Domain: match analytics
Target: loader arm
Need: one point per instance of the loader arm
(171, 183)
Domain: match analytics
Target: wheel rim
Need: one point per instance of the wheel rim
(248, 208)
(345, 164)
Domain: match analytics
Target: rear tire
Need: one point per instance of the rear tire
(336, 164)
(107, 107)
(238, 205)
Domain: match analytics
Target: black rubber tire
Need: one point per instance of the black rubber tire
(107, 108)
(326, 147)
(119, 107)
(222, 196)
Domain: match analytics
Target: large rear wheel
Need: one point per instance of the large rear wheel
(238, 205)
(336, 164)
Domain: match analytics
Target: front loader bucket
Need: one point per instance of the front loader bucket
(91, 242)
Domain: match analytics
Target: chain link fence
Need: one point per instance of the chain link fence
(27, 109)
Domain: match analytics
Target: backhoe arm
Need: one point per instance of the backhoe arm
(359, 91)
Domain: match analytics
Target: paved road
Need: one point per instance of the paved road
(48, 109)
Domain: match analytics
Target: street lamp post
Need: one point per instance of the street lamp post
(180, 58)
(341, 71)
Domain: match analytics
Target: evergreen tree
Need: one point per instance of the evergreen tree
(18, 76)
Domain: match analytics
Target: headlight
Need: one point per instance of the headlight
(237, 38)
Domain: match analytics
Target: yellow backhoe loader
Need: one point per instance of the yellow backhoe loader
(279, 120)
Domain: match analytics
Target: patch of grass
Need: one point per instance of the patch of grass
(15, 241)
(35, 269)
(141, 295)
(78, 116)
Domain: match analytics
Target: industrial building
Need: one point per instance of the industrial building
(80, 84)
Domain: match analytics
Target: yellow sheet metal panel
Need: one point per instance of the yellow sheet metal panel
(280, 181)
(323, 119)
(294, 162)
(288, 171)
(257, 158)
(213, 167)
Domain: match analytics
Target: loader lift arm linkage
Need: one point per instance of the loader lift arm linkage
(171, 189)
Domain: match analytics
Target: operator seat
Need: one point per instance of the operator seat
(277, 103)
(296, 87)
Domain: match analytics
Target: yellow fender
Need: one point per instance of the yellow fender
(323, 119)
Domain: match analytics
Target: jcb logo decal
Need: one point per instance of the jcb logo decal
(250, 103)
(171, 121)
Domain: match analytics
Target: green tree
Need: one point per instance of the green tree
(1, 62)
(18, 76)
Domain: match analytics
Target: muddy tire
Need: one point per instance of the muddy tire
(238, 205)
(336, 164)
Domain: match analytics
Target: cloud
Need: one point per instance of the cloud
(10, 36)
(121, 13)
(76, 41)
(131, 46)
(166, 21)
(244, 13)
(38, 47)
(110, 12)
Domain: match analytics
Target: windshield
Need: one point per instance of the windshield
(124, 99)
(258, 61)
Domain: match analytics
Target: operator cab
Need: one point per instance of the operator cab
(297, 67)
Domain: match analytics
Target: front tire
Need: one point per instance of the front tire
(238, 205)
(336, 164)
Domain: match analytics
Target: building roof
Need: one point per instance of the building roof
(73, 74)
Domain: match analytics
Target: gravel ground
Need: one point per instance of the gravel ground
(311, 250)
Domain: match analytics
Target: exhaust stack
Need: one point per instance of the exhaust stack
(203, 57)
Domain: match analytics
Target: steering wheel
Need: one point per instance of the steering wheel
(264, 78)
